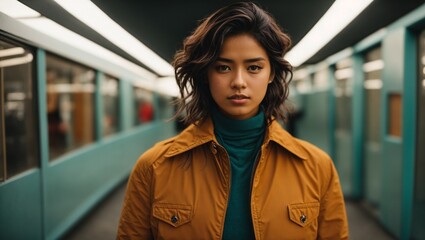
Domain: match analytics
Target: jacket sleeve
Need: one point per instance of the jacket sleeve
(333, 222)
(134, 222)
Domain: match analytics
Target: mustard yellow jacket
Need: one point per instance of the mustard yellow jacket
(180, 187)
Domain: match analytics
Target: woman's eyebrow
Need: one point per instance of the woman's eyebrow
(221, 59)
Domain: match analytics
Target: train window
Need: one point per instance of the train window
(372, 69)
(70, 105)
(143, 105)
(110, 105)
(18, 151)
(395, 114)
(343, 92)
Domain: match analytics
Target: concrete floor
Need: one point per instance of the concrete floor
(101, 222)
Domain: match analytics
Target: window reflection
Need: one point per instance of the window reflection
(372, 69)
(143, 105)
(70, 102)
(18, 151)
(110, 105)
(343, 94)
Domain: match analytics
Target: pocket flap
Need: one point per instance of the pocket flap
(303, 213)
(173, 214)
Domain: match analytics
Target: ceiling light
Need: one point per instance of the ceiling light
(62, 34)
(339, 15)
(94, 17)
(16, 9)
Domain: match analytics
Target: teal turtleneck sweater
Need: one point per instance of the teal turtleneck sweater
(242, 140)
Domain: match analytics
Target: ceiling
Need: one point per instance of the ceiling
(162, 25)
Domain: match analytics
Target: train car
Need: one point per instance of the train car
(72, 125)
(365, 106)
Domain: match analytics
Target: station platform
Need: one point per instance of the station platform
(102, 221)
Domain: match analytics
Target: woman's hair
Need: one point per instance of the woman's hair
(202, 48)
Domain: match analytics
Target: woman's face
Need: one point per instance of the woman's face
(239, 78)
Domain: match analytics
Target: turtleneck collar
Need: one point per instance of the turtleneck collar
(238, 133)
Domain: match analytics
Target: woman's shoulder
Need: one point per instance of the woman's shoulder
(190, 138)
(155, 153)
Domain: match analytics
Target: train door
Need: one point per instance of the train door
(372, 161)
(20, 175)
(418, 230)
(395, 140)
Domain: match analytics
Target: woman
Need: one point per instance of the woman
(234, 173)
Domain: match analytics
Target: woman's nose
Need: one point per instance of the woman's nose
(238, 80)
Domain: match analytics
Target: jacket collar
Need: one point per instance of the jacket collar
(197, 135)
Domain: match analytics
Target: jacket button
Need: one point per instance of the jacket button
(174, 219)
(214, 148)
(303, 218)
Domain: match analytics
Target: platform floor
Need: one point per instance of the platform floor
(102, 221)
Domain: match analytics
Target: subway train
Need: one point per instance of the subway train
(365, 106)
(73, 122)
(72, 125)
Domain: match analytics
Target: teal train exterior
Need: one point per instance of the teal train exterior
(365, 106)
(73, 124)
(72, 127)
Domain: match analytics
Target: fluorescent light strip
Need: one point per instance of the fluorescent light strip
(54, 30)
(62, 34)
(339, 15)
(91, 15)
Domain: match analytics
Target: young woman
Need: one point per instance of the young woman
(234, 173)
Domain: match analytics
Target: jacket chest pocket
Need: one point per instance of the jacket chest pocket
(303, 214)
(174, 215)
(172, 221)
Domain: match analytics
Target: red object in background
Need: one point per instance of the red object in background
(146, 112)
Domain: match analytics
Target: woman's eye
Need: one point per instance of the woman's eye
(222, 68)
(254, 68)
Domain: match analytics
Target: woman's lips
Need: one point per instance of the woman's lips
(238, 99)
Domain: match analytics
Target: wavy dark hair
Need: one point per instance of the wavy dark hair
(202, 48)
